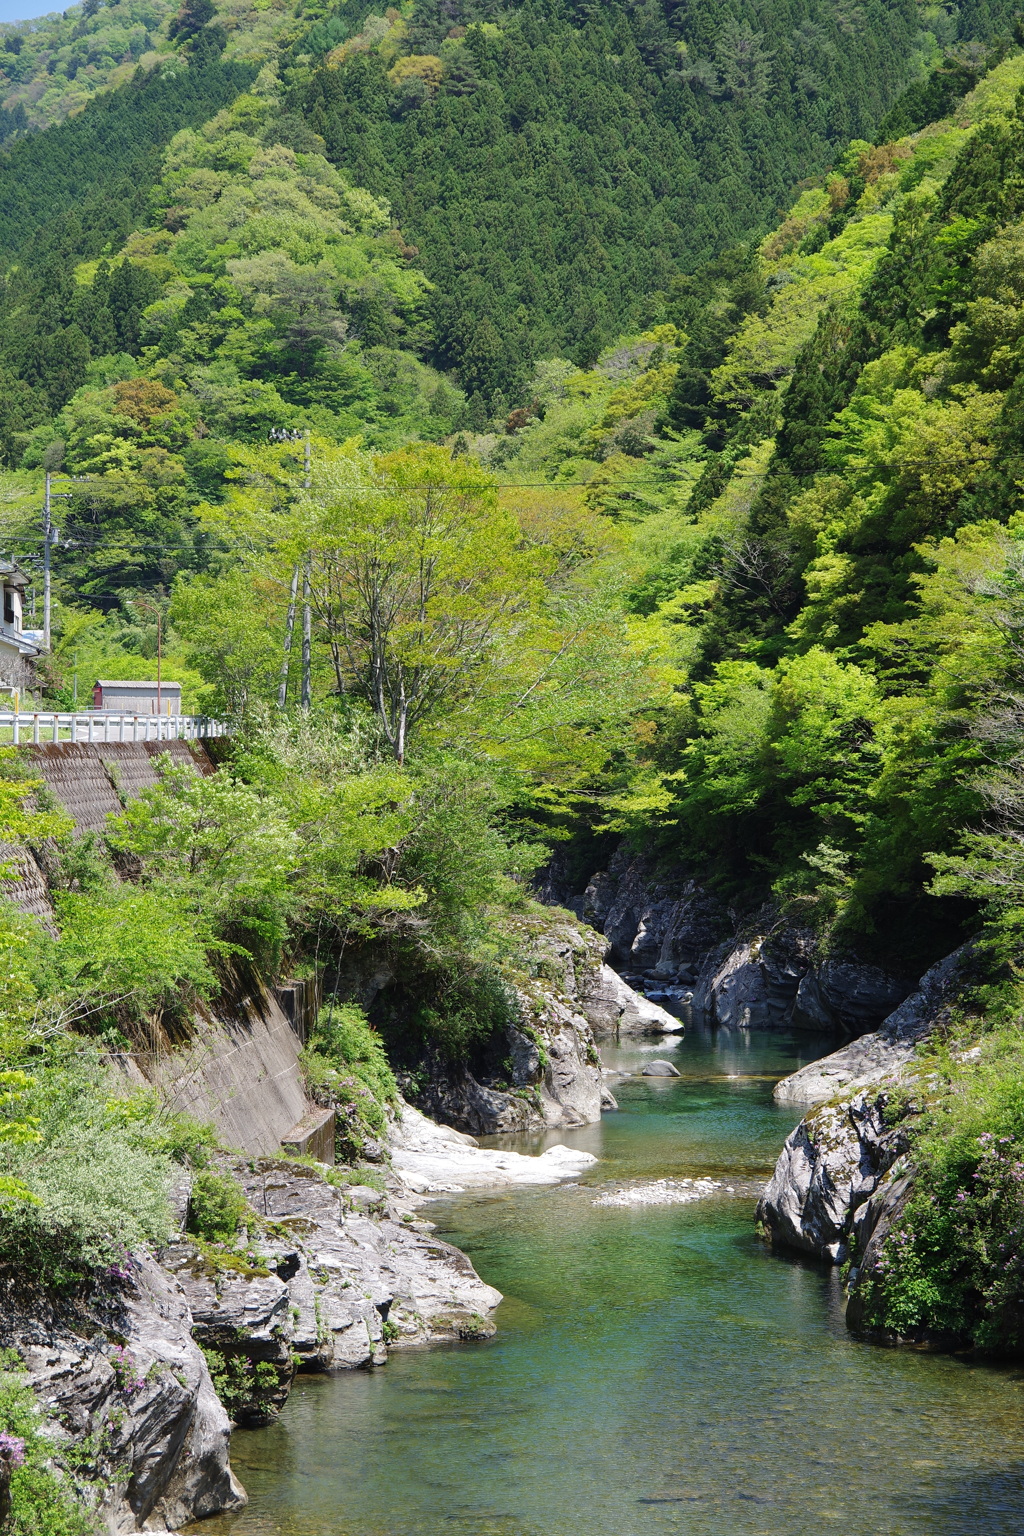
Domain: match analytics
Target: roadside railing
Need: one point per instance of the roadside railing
(23, 726)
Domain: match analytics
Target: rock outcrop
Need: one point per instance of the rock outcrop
(828, 1167)
(123, 1381)
(544, 1071)
(837, 1157)
(336, 1269)
(883, 1054)
(687, 953)
(434, 1159)
(334, 1277)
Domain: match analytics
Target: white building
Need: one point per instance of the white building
(18, 650)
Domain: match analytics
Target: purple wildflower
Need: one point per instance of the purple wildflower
(12, 1449)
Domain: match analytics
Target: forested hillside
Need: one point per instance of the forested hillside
(558, 168)
(659, 370)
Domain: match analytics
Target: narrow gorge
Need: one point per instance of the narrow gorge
(511, 746)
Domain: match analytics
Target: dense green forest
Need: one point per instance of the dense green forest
(660, 370)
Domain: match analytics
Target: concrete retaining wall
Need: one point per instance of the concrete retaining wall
(238, 1068)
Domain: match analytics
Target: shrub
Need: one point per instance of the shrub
(41, 1503)
(470, 1006)
(954, 1263)
(96, 1188)
(250, 1390)
(216, 1207)
(346, 1059)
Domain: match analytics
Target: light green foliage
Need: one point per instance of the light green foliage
(131, 949)
(43, 1502)
(233, 636)
(216, 1206)
(98, 1186)
(346, 1058)
(469, 861)
(216, 848)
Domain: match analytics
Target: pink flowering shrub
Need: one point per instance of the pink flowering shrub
(954, 1263)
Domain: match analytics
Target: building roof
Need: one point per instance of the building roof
(105, 682)
(13, 575)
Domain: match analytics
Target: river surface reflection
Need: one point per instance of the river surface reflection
(655, 1369)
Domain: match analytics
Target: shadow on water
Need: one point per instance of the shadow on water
(655, 1369)
(987, 1504)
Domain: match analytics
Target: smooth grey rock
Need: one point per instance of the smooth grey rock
(660, 1069)
(608, 1099)
(613, 1008)
(886, 1053)
(836, 1159)
(829, 1166)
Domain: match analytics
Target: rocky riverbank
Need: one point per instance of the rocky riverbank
(541, 1070)
(141, 1378)
(682, 948)
(844, 1164)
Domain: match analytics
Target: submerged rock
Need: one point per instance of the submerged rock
(663, 1192)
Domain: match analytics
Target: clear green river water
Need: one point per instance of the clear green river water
(655, 1369)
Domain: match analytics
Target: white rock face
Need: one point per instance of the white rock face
(613, 1008)
(433, 1159)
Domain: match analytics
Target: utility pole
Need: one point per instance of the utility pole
(47, 532)
(282, 687)
(307, 610)
(284, 435)
(159, 656)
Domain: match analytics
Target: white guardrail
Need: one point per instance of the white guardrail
(107, 726)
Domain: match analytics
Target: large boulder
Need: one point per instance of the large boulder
(614, 1008)
(828, 1167)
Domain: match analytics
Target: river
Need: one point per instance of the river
(655, 1369)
